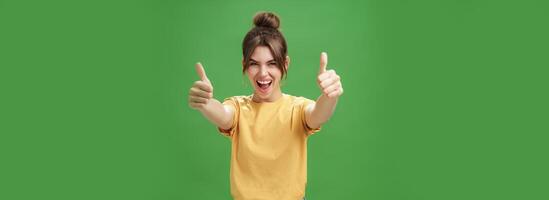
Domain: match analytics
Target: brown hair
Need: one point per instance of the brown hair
(265, 33)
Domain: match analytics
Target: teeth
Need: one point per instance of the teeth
(264, 82)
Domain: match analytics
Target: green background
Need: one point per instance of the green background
(443, 99)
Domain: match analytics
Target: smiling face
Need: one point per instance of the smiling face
(264, 75)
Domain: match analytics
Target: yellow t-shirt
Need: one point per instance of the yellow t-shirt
(269, 148)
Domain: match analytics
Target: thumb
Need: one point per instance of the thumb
(323, 62)
(200, 71)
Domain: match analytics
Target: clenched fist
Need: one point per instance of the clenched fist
(202, 91)
(328, 81)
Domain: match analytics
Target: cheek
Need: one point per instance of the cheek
(276, 73)
(251, 72)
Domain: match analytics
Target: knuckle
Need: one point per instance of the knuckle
(322, 86)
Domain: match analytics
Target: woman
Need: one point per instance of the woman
(268, 129)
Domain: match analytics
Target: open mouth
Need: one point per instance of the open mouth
(264, 85)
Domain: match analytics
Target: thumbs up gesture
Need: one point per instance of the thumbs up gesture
(328, 81)
(201, 91)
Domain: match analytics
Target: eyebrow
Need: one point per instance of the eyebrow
(257, 61)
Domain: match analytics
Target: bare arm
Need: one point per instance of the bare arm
(219, 114)
(330, 84)
(201, 99)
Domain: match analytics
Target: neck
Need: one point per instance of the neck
(277, 94)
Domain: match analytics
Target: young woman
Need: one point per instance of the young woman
(268, 129)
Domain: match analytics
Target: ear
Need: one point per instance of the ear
(287, 63)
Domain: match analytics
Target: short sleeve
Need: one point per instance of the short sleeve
(233, 103)
(302, 108)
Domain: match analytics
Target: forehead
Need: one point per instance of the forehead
(262, 54)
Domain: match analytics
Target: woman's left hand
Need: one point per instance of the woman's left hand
(328, 81)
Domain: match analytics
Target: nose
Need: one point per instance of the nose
(263, 71)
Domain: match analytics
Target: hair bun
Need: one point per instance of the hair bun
(266, 19)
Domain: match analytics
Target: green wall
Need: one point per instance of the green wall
(443, 99)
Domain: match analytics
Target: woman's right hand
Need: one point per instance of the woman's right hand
(202, 91)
